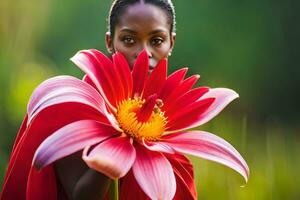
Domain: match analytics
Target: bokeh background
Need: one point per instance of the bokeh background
(249, 46)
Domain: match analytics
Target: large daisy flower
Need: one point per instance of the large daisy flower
(134, 126)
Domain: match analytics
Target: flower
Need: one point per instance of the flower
(134, 125)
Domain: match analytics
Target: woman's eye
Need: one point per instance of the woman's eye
(156, 41)
(128, 40)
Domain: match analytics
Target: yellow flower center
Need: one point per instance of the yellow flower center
(127, 116)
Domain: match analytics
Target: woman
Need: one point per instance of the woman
(133, 26)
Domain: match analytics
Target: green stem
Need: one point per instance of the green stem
(114, 192)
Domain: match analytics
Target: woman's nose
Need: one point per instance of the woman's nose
(149, 53)
(146, 48)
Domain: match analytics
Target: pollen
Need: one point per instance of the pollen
(127, 116)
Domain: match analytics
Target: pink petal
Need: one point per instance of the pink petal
(113, 157)
(88, 80)
(154, 174)
(184, 173)
(157, 146)
(208, 146)
(124, 72)
(66, 89)
(139, 72)
(62, 89)
(107, 117)
(96, 67)
(156, 79)
(172, 83)
(223, 97)
(183, 88)
(69, 139)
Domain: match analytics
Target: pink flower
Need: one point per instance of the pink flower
(133, 125)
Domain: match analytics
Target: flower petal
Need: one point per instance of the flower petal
(172, 83)
(67, 89)
(157, 146)
(182, 88)
(139, 72)
(184, 173)
(96, 67)
(208, 146)
(180, 104)
(113, 157)
(183, 170)
(188, 117)
(222, 96)
(154, 174)
(156, 79)
(111, 73)
(88, 80)
(62, 89)
(70, 139)
(124, 72)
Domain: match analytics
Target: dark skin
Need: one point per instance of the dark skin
(79, 181)
(142, 26)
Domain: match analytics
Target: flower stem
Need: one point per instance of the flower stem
(114, 190)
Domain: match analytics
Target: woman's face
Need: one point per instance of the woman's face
(142, 26)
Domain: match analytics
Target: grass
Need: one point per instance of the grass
(271, 153)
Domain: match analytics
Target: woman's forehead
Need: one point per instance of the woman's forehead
(141, 16)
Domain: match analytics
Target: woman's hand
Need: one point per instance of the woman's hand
(79, 181)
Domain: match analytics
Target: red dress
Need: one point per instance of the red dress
(23, 181)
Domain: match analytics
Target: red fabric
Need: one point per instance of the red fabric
(38, 180)
(21, 178)
(129, 188)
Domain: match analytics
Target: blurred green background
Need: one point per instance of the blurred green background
(249, 46)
